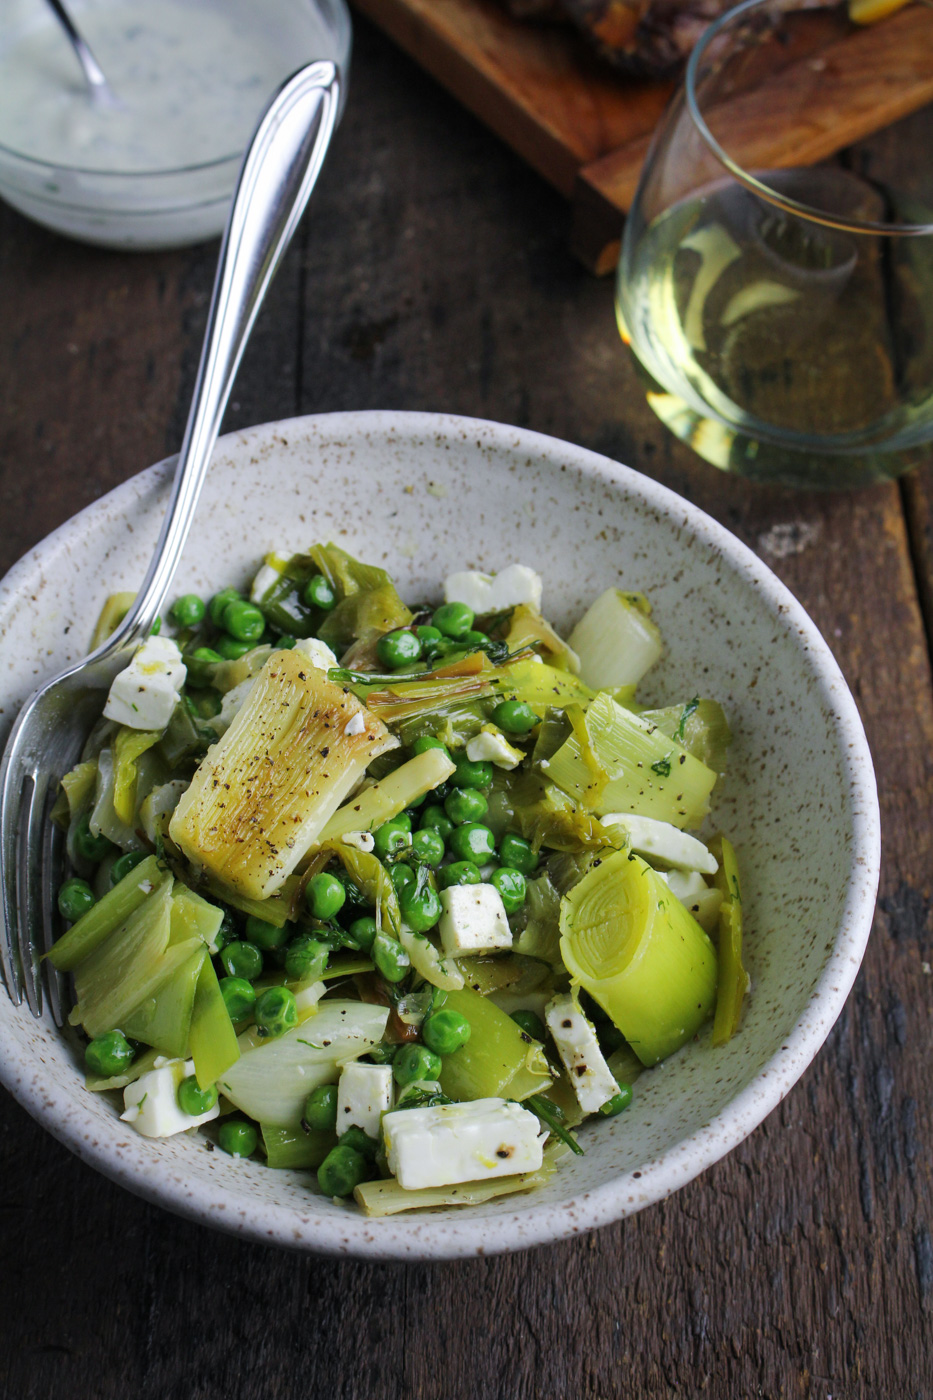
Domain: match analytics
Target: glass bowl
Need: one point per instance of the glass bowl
(158, 203)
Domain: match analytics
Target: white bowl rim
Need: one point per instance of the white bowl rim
(350, 1233)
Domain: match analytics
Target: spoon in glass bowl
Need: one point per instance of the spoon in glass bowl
(100, 90)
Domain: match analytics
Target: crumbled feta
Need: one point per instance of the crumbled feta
(144, 695)
(695, 894)
(491, 746)
(652, 838)
(317, 652)
(364, 1094)
(362, 840)
(355, 724)
(592, 1079)
(486, 593)
(448, 1143)
(473, 921)
(151, 1101)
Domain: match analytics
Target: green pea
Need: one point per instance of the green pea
(276, 1011)
(465, 805)
(445, 1031)
(391, 837)
(342, 1170)
(421, 909)
(390, 957)
(243, 621)
(434, 818)
(415, 1062)
(200, 664)
(514, 717)
(242, 960)
(325, 896)
(511, 886)
(360, 1142)
(427, 742)
(475, 639)
(516, 852)
(320, 1110)
(208, 702)
(402, 820)
(473, 842)
(87, 845)
(363, 930)
(428, 845)
(188, 610)
(453, 619)
(430, 639)
(124, 864)
(231, 650)
(401, 876)
(239, 997)
(109, 1054)
(305, 958)
(461, 872)
(264, 935)
(156, 627)
(383, 1053)
(238, 1137)
(319, 594)
(399, 648)
(286, 641)
(193, 1099)
(227, 932)
(530, 1024)
(472, 775)
(75, 897)
(220, 601)
(618, 1102)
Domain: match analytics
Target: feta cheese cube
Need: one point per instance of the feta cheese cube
(473, 921)
(649, 837)
(317, 652)
(151, 1102)
(491, 746)
(492, 592)
(695, 894)
(592, 1079)
(364, 1094)
(355, 724)
(454, 1142)
(144, 695)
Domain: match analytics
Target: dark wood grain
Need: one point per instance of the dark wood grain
(433, 274)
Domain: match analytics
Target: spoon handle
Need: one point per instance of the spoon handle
(91, 69)
(278, 174)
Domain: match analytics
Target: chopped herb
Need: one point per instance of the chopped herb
(689, 709)
(662, 767)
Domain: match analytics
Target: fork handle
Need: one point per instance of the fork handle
(278, 174)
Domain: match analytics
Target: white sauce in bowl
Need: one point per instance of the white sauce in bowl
(192, 77)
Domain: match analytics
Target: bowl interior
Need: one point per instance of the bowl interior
(423, 495)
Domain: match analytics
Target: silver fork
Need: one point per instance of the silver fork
(278, 174)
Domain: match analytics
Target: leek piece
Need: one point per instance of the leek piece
(370, 875)
(193, 917)
(212, 1040)
(639, 954)
(527, 628)
(733, 979)
(497, 1061)
(700, 727)
(368, 603)
(163, 1019)
(429, 962)
(111, 615)
(127, 967)
(103, 819)
(76, 793)
(385, 799)
(186, 736)
(265, 791)
(277, 909)
(128, 746)
(616, 640)
(271, 1082)
(542, 686)
(543, 814)
(540, 938)
(107, 915)
(347, 966)
(380, 1198)
(296, 1147)
(617, 761)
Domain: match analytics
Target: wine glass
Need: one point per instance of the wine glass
(782, 312)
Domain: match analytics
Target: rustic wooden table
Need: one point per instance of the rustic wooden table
(432, 273)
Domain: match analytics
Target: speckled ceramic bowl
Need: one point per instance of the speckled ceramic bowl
(424, 494)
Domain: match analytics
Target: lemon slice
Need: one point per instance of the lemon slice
(871, 11)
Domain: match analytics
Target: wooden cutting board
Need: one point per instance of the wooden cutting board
(586, 128)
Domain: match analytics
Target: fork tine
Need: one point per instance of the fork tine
(10, 801)
(53, 846)
(29, 885)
